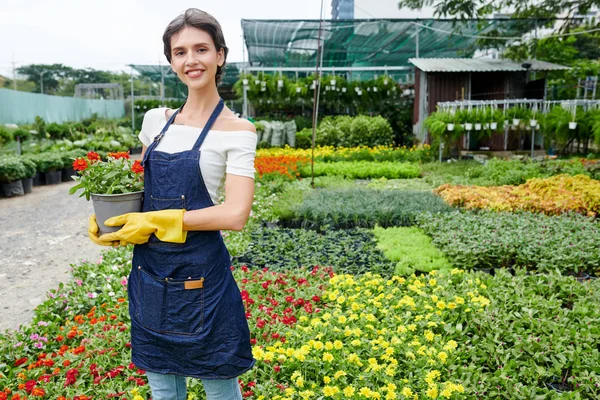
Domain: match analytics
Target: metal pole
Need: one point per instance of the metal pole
(132, 104)
(532, 139)
(417, 46)
(319, 63)
(245, 107)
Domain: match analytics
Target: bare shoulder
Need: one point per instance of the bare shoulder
(231, 122)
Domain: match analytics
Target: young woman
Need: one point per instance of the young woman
(187, 315)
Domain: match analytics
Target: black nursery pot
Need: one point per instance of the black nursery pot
(53, 177)
(27, 185)
(67, 173)
(39, 179)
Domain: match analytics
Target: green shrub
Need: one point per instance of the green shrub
(363, 170)
(30, 166)
(568, 243)
(411, 249)
(48, 161)
(349, 251)
(304, 139)
(365, 208)
(6, 135)
(11, 169)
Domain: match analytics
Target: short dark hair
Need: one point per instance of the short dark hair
(195, 18)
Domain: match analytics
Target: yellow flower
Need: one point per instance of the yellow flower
(330, 390)
(432, 392)
(441, 305)
(307, 394)
(451, 345)
(432, 375)
(349, 391)
(328, 346)
(326, 379)
(327, 357)
(429, 335)
(447, 393)
(443, 356)
(138, 397)
(338, 345)
(342, 319)
(339, 374)
(406, 391)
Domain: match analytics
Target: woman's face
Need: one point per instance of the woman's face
(194, 57)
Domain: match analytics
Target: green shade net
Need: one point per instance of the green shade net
(22, 108)
(366, 43)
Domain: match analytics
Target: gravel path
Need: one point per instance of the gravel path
(41, 234)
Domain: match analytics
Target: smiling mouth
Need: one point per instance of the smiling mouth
(195, 73)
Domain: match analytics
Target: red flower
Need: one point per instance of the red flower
(137, 167)
(92, 156)
(20, 361)
(3, 396)
(119, 154)
(29, 385)
(71, 376)
(80, 164)
(38, 392)
(277, 368)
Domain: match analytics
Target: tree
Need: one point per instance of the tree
(51, 74)
(520, 8)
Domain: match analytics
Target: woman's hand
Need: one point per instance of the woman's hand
(137, 228)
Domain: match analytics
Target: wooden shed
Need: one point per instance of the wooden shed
(450, 79)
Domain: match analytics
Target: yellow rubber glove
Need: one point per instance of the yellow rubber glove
(93, 233)
(137, 228)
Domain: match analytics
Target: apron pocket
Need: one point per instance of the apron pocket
(170, 306)
(151, 294)
(160, 203)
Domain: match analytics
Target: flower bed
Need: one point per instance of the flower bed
(556, 195)
(410, 249)
(361, 153)
(448, 334)
(363, 170)
(350, 208)
(347, 251)
(486, 239)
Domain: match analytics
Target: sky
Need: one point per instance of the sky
(110, 34)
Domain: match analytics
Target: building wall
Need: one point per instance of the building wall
(342, 9)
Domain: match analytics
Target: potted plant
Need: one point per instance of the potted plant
(51, 164)
(30, 168)
(12, 171)
(115, 186)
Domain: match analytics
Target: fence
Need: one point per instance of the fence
(22, 108)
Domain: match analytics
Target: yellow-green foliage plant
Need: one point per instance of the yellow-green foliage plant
(411, 249)
(555, 195)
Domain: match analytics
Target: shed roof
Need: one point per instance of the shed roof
(480, 65)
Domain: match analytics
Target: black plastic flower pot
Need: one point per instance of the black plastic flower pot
(67, 173)
(39, 179)
(13, 188)
(27, 185)
(53, 177)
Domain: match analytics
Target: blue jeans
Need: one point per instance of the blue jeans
(173, 387)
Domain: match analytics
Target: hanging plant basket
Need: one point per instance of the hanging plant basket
(450, 127)
(533, 122)
(477, 127)
(493, 125)
(468, 126)
(516, 121)
(572, 125)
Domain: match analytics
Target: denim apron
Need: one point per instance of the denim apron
(187, 315)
